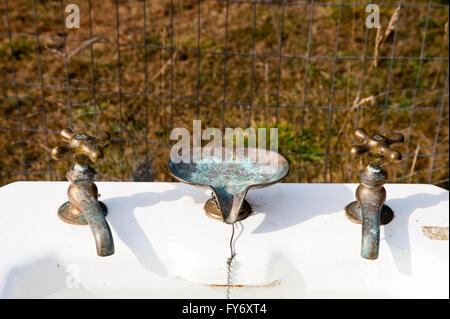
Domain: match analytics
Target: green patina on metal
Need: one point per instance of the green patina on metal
(83, 207)
(369, 208)
(230, 176)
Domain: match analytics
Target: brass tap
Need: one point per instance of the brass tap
(369, 208)
(83, 207)
(377, 147)
(86, 149)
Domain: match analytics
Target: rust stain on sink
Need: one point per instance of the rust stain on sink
(435, 232)
(272, 284)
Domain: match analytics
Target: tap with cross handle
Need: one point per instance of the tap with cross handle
(369, 208)
(83, 206)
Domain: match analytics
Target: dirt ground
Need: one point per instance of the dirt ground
(315, 94)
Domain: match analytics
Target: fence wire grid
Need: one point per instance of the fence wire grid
(140, 68)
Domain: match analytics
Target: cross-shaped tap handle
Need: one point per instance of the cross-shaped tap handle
(377, 145)
(84, 147)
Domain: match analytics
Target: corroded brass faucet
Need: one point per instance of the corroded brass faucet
(369, 208)
(83, 206)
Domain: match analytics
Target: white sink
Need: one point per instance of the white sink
(298, 244)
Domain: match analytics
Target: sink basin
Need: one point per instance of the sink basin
(294, 245)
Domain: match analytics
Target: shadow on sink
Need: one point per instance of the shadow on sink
(277, 206)
(396, 233)
(122, 220)
(41, 278)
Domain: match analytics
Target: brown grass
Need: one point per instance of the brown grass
(42, 112)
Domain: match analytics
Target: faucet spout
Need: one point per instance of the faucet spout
(370, 202)
(100, 228)
(370, 196)
(83, 198)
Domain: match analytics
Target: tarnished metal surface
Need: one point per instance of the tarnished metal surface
(231, 180)
(377, 146)
(212, 210)
(85, 149)
(369, 206)
(354, 214)
(71, 215)
(83, 206)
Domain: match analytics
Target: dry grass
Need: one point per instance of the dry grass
(136, 119)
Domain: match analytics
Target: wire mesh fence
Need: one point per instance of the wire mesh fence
(140, 68)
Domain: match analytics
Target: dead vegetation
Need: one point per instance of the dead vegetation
(163, 88)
